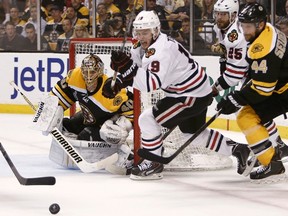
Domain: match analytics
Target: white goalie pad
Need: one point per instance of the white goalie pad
(48, 115)
(112, 133)
(125, 161)
(91, 151)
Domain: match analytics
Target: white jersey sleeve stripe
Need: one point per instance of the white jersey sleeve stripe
(189, 84)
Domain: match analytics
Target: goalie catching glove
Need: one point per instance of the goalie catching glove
(115, 132)
(231, 103)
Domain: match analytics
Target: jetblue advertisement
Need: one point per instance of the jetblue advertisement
(36, 73)
(33, 73)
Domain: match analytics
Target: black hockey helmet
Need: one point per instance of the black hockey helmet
(253, 13)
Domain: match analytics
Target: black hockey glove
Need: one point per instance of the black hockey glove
(120, 61)
(231, 103)
(222, 62)
(111, 92)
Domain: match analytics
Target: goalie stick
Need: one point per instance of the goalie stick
(82, 164)
(165, 160)
(49, 180)
(12, 83)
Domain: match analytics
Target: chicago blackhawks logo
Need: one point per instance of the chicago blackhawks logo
(257, 48)
(150, 52)
(136, 44)
(233, 35)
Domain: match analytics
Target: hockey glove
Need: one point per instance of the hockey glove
(231, 103)
(120, 61)
(222, 62)
(111, 92)
(215, 92)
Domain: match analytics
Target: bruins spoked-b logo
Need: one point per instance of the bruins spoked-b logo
(150, 52)
(257, 48)
(117, 100)
(233, 35)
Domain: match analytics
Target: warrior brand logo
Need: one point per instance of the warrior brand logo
(39, 111)
(69, 148)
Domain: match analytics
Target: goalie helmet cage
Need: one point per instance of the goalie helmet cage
(191, 158)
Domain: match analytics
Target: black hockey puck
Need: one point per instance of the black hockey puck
(54, 208)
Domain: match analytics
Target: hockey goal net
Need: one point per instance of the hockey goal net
(191, 158)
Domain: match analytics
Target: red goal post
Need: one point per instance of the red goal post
(193, 157)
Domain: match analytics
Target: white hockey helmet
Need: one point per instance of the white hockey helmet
(147, 20)
(92, 68)
(230, 6)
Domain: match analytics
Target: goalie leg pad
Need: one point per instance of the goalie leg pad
(124, 163)
(91, 151)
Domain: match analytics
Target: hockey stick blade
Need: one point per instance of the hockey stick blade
(250, 166)
(82, 164)
(49, 180)
(144, 153)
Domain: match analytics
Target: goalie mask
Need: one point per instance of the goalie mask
(92, 68)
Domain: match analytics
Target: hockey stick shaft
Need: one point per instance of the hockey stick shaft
(144, 153)
(24, 96)
(125, 39)
(49, 180)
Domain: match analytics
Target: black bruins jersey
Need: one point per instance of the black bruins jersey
(95, 107)
(268, 71)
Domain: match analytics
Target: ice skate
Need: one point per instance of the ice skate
(147, 170)
(242, 152)
(283, 149)
(273, 172)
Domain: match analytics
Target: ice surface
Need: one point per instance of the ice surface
(216, 193)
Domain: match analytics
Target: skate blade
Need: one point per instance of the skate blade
(249, 167)
(155, 176)
(271, 179)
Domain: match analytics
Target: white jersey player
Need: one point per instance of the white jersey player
(234, 47)
(160, 62)
(231, 40)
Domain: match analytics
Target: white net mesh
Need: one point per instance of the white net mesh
(191, 158)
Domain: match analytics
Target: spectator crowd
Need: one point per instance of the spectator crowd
(62, 20)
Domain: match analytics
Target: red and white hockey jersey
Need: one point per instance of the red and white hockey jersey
(166, 64)
(236, 48)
